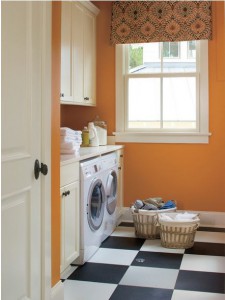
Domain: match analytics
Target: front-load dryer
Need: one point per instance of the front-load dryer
(92, 203)
(110, 182)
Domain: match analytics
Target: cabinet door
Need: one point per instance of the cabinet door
(70, 224)
(89, 57)
(78, 52)
(66, 53)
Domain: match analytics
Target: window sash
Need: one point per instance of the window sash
(161, 77)
(123, 134)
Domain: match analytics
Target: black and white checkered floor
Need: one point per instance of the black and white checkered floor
(128, 268)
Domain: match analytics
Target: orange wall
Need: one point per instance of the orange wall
(55, 215)
(192, 174)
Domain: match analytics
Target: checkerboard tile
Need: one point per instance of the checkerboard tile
(123, 292)
(99, 273)
(126, 267)
(200, 281)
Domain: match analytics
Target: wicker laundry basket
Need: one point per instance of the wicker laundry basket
(146, 222)
(178, 234)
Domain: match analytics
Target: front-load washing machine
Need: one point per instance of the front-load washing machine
(92, 204)
(110, 182)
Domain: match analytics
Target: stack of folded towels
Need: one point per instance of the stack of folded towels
(70, 140)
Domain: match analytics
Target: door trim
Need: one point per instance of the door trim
(46, 151)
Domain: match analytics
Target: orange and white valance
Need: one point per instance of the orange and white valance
(160, 21)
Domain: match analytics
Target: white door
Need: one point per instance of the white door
(23, 94)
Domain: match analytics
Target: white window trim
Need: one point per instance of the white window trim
(122, 135)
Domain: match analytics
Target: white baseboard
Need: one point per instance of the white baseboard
(69, 270)
(57, 292)
(207, 218)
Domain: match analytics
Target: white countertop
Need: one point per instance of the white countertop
(88, 152)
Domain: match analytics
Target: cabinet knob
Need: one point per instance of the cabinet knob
(62, 95)
(66, 193)
(119, 168)
(86, 98)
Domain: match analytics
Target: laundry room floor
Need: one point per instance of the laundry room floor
(128, 268)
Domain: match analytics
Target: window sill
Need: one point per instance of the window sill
(177, 138)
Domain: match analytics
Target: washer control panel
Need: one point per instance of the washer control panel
(90, 168)
(109, 161)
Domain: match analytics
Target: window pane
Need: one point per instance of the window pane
(179, 102)
(144, 103)
(144, 58)
(180, 63)
(192, 49)
(177, 57)
(171, 49)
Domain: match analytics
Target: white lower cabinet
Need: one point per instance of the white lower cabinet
(70, 212)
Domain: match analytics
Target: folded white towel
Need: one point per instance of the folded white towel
(66, 130)
(66, 139)
(70, 145)
(64, 151)
(69, 131)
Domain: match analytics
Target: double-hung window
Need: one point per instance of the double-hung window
(162, 92)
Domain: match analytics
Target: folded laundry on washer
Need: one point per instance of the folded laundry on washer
(69, 151)
(70, 140)
(66, 138)
(69, 132)
(70, 145)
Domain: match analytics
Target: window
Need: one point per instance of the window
(171, 49)
(160, 99)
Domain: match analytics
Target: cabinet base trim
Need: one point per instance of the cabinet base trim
(57, 292)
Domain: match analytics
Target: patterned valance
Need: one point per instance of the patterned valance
(160, 21)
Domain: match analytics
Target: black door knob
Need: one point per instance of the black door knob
(37, 169)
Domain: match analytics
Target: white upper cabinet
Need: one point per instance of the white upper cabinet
(78, 53)
(66, 53)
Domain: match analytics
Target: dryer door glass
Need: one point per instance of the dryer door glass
(96, 204)
(111, 192)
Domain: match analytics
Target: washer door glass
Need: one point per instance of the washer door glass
(111, 192)
(96, 204)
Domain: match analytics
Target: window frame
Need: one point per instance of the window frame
(123, 134)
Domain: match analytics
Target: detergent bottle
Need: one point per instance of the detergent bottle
(85, 137)
(101, 128)
(93, 137)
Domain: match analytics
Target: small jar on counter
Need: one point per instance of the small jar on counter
(85, 137)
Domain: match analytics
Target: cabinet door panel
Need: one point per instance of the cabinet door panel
(78, 53)
(89, 54)
(66, 53)
(70, 224)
